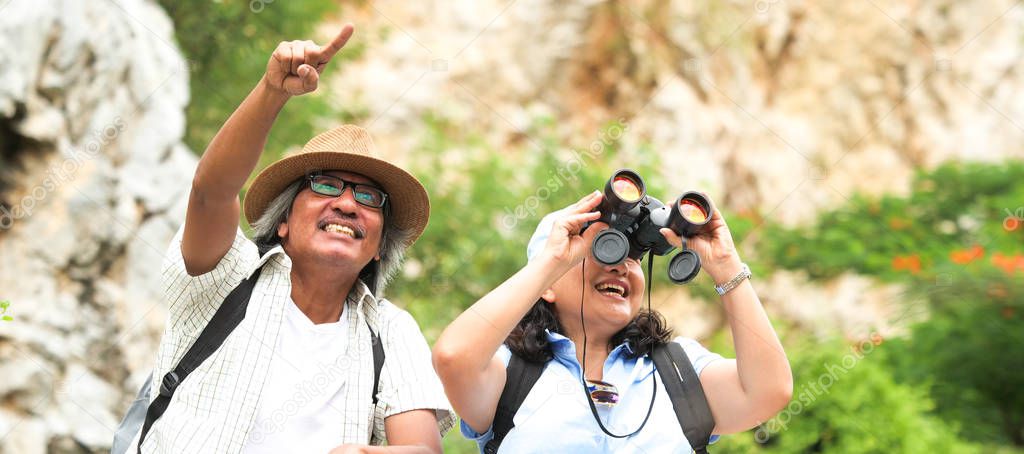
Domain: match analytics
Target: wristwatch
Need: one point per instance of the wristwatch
(734, 282)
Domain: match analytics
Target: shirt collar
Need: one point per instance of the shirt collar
(563, 346)
(360, 294)
(278, 249)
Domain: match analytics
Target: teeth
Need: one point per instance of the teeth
(605, 287)
(340, 229)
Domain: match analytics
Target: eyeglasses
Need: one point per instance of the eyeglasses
(603, 393)
(332, 186)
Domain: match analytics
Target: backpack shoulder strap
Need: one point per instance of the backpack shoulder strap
(688, 400)
(228, 316)
(378, 361)
(520, 376)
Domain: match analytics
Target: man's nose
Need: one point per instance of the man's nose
(345, 203)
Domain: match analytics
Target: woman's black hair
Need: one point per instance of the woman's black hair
(529, 341)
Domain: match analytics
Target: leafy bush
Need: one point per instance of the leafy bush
(845, 400)
(955, 243)
(968, 352)
(954, 213)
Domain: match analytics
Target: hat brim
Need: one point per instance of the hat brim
(410, 206)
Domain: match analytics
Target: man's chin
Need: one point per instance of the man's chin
(337, 254)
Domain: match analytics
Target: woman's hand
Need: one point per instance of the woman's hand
(295, 66)
(566, 244)
(715, 247)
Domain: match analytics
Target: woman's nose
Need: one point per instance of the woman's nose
(619, 268)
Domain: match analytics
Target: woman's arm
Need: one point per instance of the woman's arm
(465, 353)
(213, 206)
(756, 385)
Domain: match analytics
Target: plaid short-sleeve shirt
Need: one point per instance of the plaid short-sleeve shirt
(214, 409)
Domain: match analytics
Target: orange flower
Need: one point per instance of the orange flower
(910, 263)
(963, 257)
(1009, 264)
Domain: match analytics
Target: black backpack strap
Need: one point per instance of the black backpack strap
(378, 361)
(228, 316)
(688, 400)
(520, 376)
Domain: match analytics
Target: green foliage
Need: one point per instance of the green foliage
(4, 305)
(845, 400)
(952, 208)
(228, 45)
(968, 352)
(955, 243)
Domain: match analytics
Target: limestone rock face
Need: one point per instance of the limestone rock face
(788, 104)
(93, 180)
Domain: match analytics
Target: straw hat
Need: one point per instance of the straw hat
(348, 148)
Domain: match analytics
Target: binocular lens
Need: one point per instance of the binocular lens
(626, 188)
(692, 211)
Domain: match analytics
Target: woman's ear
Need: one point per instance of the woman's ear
(548, 295)
(282, 230)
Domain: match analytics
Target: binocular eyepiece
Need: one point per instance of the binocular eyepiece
(635, 219)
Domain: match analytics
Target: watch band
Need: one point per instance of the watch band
(734, 282)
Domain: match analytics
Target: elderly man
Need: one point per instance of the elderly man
(331, 223)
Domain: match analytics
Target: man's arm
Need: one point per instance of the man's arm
(213, 205)
(411, 432)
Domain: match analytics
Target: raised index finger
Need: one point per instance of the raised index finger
(338, 42)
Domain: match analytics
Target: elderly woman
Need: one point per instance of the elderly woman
(537, 315)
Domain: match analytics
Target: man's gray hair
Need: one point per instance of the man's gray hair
(392, 242)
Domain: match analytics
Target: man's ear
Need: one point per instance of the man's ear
(282, 230)
(548, 295)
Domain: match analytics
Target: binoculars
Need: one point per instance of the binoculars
(635, 218)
